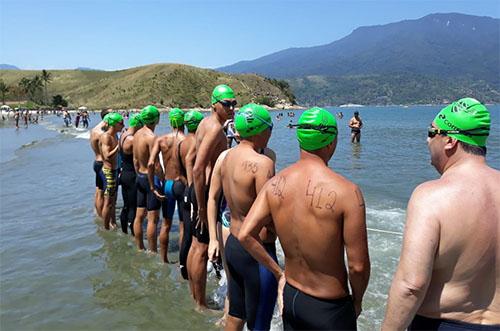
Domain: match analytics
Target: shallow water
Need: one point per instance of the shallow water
(61, 271)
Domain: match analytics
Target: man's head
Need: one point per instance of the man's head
(135, 121)
(104, 112)
(356, 114)
(223, 101)
(253, 120)
(465, 123)
(176, 117)
(192, 119)
(150, 115)
(114, 120)
(316, 129)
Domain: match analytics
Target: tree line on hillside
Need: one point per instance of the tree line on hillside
(390, 89)
(32, 89)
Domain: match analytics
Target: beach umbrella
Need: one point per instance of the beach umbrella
(5, 107)
(82, 108)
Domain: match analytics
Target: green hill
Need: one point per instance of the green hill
(165, 85)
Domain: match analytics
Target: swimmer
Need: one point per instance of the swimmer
(318, 215)
(210, 142)
(95, 134)
(108, 145)
(144, 140)
(252, 288)
(174, 177)
(127, 174)
(355, 124)
(449, 270)
(187, 151)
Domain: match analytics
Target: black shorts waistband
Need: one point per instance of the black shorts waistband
(340, 300)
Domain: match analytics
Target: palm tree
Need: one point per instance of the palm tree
(46, 78)
(3, 89)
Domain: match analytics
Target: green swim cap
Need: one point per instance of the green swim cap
(222, 92)
(150, 115)
(251, 120)
(135, 121)
(113, 118)
(192, 119)
(469, 117)
(316, 129)
(176, 117)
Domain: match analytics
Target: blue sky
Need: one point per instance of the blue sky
(118, 34)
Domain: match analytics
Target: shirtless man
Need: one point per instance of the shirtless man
(188, 155)
(108, 145)
(244, 171)
(95, 134)
(356, 124)
(146, 200)
(174, 177)
(210, 142)
(317, 215)
(449, 270)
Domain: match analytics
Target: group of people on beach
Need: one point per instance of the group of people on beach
(233, 206)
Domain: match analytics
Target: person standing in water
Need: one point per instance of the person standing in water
(355, 124)
(318, 215)
(187, 151)
(449, 270)
(108, 145)
(95, 134)
(210, 142)
(128, 175)
(244, 171)
(144, 140)
(174, 177)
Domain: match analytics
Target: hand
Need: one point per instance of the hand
(281, 287)
(213, 250)
(158, 195)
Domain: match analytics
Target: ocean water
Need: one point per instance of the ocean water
(60, 270)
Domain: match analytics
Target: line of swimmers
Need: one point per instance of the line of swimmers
(233, 207)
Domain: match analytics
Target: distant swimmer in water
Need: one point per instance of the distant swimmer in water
(144, 140)
(187, 156)
(229, 131)
(108, 145)
(318, 215)
(252, 288)
(127, 175)
(17, 115)
(85, 119)
(174, 177)
(66, 118)
(210, 142)
(449, 270)
(95, 134)
(356, 124)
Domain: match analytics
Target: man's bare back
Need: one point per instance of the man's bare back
(143, 143)
(169, 147)
(464, 284)
(95, 134)
(315, 206)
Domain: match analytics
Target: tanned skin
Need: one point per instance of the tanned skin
(167, 145)
(450, 261)
(317, 215)
(210, 142)
(108, 145)
(144, 140)
(95, 134)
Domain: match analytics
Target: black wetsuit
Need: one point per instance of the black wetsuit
(302, 311)
(129, 190)
(426, 323)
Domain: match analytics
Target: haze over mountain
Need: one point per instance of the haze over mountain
(440, 47)
(4, 66)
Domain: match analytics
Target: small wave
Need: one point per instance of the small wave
(83, 135)
(30, 144)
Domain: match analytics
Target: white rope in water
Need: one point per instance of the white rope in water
(385, 231)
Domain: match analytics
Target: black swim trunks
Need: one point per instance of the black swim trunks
(146, 198)
(252, 288)
(355, 130)
(99, 176)
(426, 323)
(305, 312)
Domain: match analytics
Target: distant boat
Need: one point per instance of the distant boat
(351, 105)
